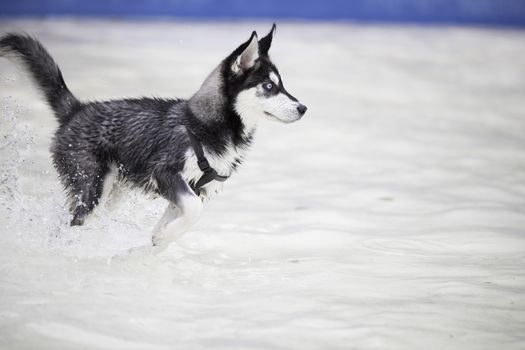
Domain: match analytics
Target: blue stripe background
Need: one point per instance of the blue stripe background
(490, 12)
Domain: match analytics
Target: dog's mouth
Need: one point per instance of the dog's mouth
(270, 115)
(274, 117)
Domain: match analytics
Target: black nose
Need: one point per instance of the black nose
(301, 109)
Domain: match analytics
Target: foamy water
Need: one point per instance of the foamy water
(391, 217)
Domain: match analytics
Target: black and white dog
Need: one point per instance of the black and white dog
(179, 149)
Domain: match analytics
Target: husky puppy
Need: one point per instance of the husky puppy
(179, 149)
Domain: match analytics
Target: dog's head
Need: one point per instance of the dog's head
(255, 85)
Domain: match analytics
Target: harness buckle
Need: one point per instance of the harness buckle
(203, 164)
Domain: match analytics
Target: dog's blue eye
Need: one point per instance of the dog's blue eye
(268, 86)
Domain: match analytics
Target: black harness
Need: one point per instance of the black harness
(209, 174)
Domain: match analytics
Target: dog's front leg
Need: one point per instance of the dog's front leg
(182, 213)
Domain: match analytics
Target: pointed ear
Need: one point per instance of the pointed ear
(266, 42)
(249, 53)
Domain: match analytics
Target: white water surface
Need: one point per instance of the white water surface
(391, 217)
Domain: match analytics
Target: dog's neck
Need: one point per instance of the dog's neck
(210, 105)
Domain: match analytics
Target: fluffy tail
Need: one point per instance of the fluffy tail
(35, 58)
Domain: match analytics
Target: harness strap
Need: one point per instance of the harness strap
(209, 174)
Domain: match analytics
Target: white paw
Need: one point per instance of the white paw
(171, 232)
(176, 222)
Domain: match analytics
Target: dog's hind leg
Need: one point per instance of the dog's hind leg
(115, 196)
(86, 197)
(84, 180)
(112, 194)
(183, 211)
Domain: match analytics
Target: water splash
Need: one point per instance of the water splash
(14, 140)
(35, 214)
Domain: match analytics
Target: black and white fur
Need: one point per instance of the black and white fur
(146, 139)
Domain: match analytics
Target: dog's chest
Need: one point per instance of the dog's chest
(224, 164)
